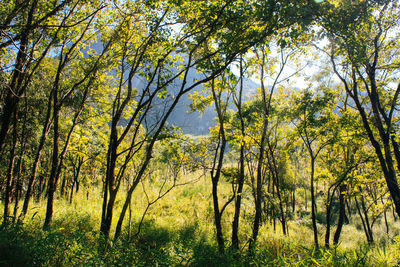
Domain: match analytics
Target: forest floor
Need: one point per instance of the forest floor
(178, 230)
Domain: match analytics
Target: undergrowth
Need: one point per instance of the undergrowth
(179, 231)
(73, 241)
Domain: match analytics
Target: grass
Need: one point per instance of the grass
(179, 231)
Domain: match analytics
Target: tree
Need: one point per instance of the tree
(221, 105)
(61, 92)
(367, 188)
(33, 32)
(29, 27)
(364, 57)
(264, 124)
(312, 116)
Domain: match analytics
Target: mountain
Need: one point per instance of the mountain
(196, 123)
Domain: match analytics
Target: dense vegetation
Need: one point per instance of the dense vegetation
(300, 170)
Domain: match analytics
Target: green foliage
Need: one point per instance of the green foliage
(166, 240)
(231, 174)
(119, 69)
(68, 243)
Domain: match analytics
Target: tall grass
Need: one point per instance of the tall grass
(178, 231)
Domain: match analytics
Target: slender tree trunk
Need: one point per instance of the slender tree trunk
(218, 162)
(10, 173)
(305, 198)
(347, 205)
(110, 191)
(369, 228)
(41, 188)
(217, 217)
(396, 150)
(328, 217)
(365, 222)
(51, 187)
(62, 190)
(124, 208)
(104, 207)
(17, 195)
(394, 212)
(282, 211)
(294, 200)
(20, 166)
(313, 204)
(130, 222)
(106, 226)
(75, 178)
(235, 224)
(342, 214)
(71, 193)
(215, 175)
(35, 165)
(258, 208)
(385, 217)
(236, 217)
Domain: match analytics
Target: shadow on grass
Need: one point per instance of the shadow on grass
(73, 241)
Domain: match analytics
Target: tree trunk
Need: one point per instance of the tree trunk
(124, 208)
(369, 228)
(294, 200)
(217, 216)
(313, 204)
(258, 208)
(282, 211)
(35, 165)
(51, 187)
(75, 182)
(106, 225)
(342, 214)
(305, 198)
(215, 175)
(10, 174)
(365, 223)
(394, 212)
(385, 217)
(109, 187)
(20, 166)
(328, 217)
(62, 189)
(236, 217)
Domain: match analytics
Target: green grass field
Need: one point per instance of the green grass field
(178, 230)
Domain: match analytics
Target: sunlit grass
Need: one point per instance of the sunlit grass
(179, 230)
